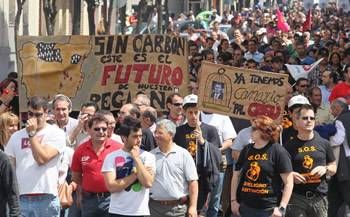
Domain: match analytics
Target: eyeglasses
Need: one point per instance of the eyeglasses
(177, 104)
(305, 118)
(36, 114)
(98, 129)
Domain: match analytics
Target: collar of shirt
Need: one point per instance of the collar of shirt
(106, 144)
(178, 118)
(172, 150)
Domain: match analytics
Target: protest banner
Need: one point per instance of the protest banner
(241, 93)
(302, 71)
(109, 70)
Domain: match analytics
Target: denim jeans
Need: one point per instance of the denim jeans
(74, 210)
(246, 211)
(302, 206)
(215, 196)
(39, 206)
(95, 206)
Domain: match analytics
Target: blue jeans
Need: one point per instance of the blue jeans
(215, 196)
(247, 211)
(40, 206)
(95, 206)
(74, 210)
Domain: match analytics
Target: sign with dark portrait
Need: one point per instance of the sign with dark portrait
(241, 93)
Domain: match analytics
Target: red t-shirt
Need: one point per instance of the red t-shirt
(340, 90)
(86, 161)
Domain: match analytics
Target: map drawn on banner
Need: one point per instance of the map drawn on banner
(109, 70)
(241, 93)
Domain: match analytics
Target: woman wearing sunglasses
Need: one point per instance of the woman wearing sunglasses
(262, 182)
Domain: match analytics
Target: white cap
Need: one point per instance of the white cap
(298, 100)
(190, 99)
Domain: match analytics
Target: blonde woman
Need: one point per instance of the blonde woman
(8, 125)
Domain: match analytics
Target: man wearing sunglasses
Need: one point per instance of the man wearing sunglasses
(174, 104)
(35, 152)
(313, 159)
(86, 166)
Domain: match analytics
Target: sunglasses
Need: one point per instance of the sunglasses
(304, 85)
(36, 114)
(177, 104)
(98, 129)
(305, 118)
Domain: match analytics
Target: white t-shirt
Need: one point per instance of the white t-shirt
(71, 125)
(134, 199)
(222, 123)
(31, 177)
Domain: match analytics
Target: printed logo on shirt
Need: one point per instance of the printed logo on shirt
(85, 159)
(254, 171)
(124, 168)
(252, 183)
(308, 162)
(25, 143)
(306, 149)
(191, 144)
(258, 157)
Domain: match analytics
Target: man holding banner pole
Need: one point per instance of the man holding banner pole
(203, 143)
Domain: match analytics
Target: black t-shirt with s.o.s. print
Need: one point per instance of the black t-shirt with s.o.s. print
(260, 184)
(306, 155)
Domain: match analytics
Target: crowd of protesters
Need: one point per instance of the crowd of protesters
(187, 162)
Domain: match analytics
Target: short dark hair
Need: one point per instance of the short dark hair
(304, 107)
(38, 102)
(300, 80)
(90, 104)
(151, 114)
(169, 99)
(277, 59)
(129, 125)
(312, 89)
(97, 118)
(189, 105)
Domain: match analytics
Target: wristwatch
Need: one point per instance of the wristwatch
(282, 210)
(31, 134)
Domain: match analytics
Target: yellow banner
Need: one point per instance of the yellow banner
(109, 70)
(241, 93)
